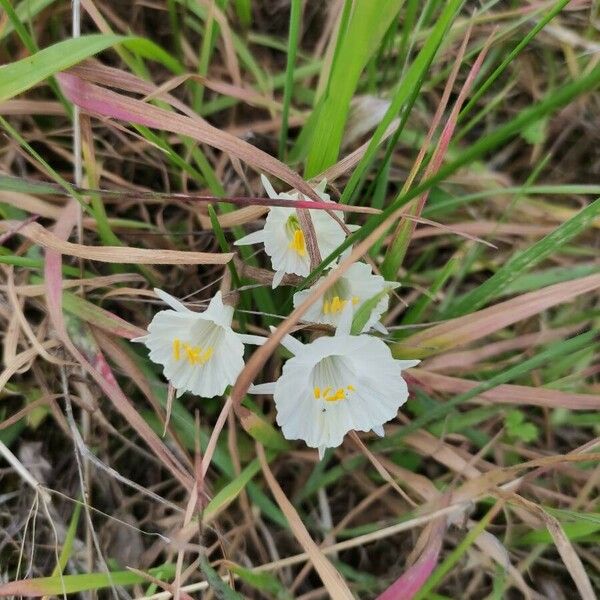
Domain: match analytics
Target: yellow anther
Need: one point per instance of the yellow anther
(192, 354)
(339, 394)
(176, 349)
(355, 299)
(330, 394)
(298, 243)
(195, 355)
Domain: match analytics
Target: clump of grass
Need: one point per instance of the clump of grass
(460, 140)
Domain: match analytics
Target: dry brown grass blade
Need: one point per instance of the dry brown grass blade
(521, 395)
(113, 254)
(463, 330)
(332, 580)
(106, 103)
(467, 359)
(99, 371)
(33, 289)
(31, 204)
(568, 554)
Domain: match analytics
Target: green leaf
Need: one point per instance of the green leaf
(19, 76)
(525, 260)
(366, 27)
(405, 90)
(232, 489)
(262, 431)
(551, 102)
(363, 314)
(71, 584)
(23, 74)
(265, 582)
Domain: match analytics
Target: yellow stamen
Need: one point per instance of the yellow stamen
(176, 348)
(334, 306)
(192, 354)
(355, 299)
(298, 243)
(329, 394)
(195, 355)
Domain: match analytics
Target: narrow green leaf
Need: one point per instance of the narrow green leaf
(525, 260)
(367, 25)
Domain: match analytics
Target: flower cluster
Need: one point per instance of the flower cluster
(329, 386)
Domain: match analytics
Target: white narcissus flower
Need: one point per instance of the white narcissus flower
(199, 352)
(337, 384)
(356, 286)
(284, 239)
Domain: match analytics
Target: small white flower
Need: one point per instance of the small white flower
(200, 352)
(284, 239)
(356, 286)
(336, 384)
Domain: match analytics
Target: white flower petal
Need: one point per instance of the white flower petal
(254, 340)
(378, 430)
(268, 187)
(262, 388)
(281, 228)
(256, 237)
(171, 301)
(338, 384)
(277, 278)
(199, 352)
(290, 343)
(358, 285)
(345, 322)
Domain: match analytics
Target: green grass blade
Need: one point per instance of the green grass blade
(408, 86)
(550, 103)
(295, 18)
(367, 25)
(67, 549)
(512, 55)
(72, 584)
(553, 351)
(526, 259)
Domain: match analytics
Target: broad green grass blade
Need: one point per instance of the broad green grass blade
(526, 259)
(368, 24)
(23, 74)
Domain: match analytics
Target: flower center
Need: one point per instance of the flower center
(296, 235)
(330, 379)
(332, 395)
(336, 298)
(194, 355)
